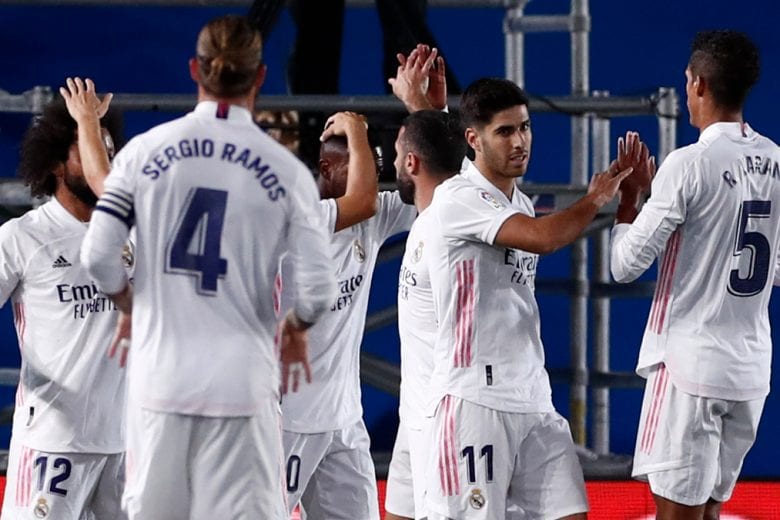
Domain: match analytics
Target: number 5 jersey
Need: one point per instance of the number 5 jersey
(714, 219)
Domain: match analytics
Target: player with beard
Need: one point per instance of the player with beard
(67, 446)
(429, 150)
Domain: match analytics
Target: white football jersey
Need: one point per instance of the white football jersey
(215, 202)
(416, 324)
(488, 349)
(71, 394)
(714, 220)
(332, 400)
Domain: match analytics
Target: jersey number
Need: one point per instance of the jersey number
(487, 453)
(60, 463)
(758, 245)
(195, 246)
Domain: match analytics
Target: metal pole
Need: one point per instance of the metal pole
(514, 45)
(668, 111)
(579, 259)
(601, 160)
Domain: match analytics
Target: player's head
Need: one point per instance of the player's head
(49, 158)
(228, 58)
(430, 143)
(498, 127)
(333, 166)
(723, 66)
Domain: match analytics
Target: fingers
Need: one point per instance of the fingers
(431, 59)
(623, 174)
(401, 60)
(307, 370)
(102, 108)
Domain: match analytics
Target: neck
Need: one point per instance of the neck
(502, 182)
(716, 115)
(73, 205)
(246, 101)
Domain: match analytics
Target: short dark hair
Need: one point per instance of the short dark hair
(437, 138)
(47, 143)
(485, 97)
(729, 63)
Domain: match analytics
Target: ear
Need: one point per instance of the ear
(412, 163)
(59, 170)
(699, 85)
(472, 138)
(194, 70)
(324, 168)
(260, 79)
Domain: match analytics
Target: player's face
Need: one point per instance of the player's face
(339, 168)
(402, 178)
(74, 178)
(505, 142)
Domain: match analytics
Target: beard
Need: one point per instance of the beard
(405, 190)
(78, 186)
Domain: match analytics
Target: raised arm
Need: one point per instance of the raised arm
(359, 200)
(420, 81)
(546, 234)
(87, 109)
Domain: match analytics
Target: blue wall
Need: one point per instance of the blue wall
(634, 50)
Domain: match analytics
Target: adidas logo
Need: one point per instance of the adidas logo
(61, 262)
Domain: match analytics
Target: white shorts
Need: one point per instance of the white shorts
(406, 474)
(65, 486)
(189, 466)
(331, 474)
(487, 464)
(691, 448)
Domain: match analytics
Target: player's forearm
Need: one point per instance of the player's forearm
(547, 234)
(101, 252)
(94, 159)
(359, 200)
(628, 208)
(315, 281)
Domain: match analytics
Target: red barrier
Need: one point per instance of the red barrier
(628, 500)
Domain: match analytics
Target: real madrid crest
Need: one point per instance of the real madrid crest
(128, 257)
(476, 500)
(417, 254)
(358, 251)
(41, 509)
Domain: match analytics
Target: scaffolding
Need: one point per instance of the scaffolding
(590, 116)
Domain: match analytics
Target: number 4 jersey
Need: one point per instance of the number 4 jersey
(715, 214)
(215, 203)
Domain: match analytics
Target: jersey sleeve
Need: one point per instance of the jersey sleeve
(309, 252)
(329, 213)
(471, 213)
(394, 216)
(109, 227)
(11, 260)
(636, 246)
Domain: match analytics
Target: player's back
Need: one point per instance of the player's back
(213, 199)
(717, 270)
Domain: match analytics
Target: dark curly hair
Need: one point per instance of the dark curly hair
(729, 63)
(47, 142)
